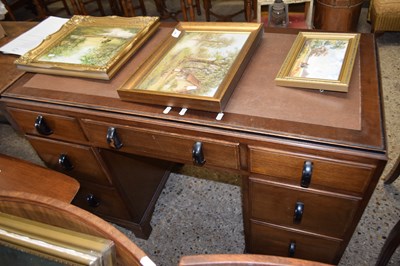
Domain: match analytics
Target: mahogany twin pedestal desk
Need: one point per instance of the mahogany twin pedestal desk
(309, 160)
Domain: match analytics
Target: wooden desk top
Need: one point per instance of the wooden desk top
(22, 176)
(9, 73)
(257, 105)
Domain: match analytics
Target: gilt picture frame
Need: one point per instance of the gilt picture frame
(320, 60)
(89, 47)
(196, 67)
(28, 242)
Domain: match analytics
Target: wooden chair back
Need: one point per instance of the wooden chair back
(244, 260)
(59, 213)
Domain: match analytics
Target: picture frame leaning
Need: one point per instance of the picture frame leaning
(24, 241)
(320, 60)
(89, 47)
(196, 67)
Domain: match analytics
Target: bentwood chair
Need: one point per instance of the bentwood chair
(40, 9)
(393, 240)
(248, 10)
(129, 7)
(394, 173)
(87, 7)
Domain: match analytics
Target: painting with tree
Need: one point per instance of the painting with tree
(320, 61)
(90, 47)
(197, 69)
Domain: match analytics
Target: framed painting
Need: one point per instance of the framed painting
(319, 60)
(27, 242)
(89, 47)
(196, 67)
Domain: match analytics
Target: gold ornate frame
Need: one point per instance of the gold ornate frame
(144, 27)
(334, 74)
(43, 241)
(144, 85)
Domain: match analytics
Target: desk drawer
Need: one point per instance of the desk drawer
(103, 201)
(50, 125)
(79, 161)
(279, 241)
(326, 172)
(301, 209)
(164, 145)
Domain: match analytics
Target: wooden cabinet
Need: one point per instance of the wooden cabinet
(119, 187)
(310, 161)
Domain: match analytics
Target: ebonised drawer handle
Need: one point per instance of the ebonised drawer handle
(307, 174)
(65, 162)
(113, 139)
(92, 201)
(42, 127)
(292, 248)
(298, 212)
(197, 154)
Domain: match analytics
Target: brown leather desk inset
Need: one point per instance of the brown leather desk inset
(309, 160)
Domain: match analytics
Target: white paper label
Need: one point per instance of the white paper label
(176, 33)
(167, 109)
(183, 111)
(146, 261)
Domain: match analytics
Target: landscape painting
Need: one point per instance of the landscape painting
(196, 67)
(94, 46)
(89, 47)
(319, 60)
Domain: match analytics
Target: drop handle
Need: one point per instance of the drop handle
(92, 201)
(292, 248)
(42, 127)
(65, 162)
(298, 212)
(113, 138)
(306, 174)
(197, 154)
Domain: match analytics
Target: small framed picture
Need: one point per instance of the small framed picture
(89, 47)
(318, 60)
(197, 66)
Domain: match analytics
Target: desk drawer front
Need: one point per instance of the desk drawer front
(103, 201)
(300, 209)
(80, 161)
(335, 174)
(279, 241)
(165, 145)
(50, 125)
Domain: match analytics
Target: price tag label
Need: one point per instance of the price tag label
(176, 33)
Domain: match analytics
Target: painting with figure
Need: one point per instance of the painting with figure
(320, 59)
(196, 65)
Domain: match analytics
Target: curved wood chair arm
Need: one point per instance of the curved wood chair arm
(58, 213)
(394, 172)
(244, 259)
